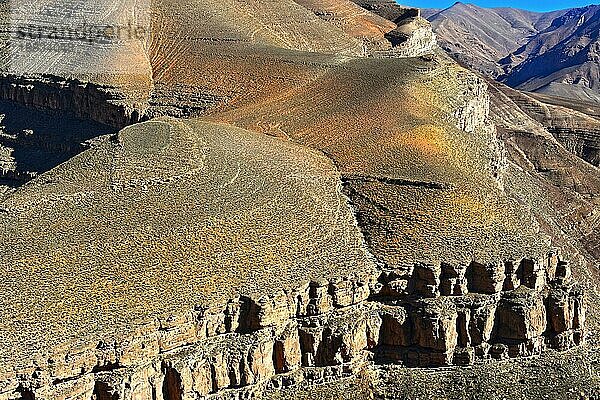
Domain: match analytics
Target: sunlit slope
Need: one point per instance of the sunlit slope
(241, 49)
(167, 216)
(353, 20)
(101, 41)
(281, 23)
(423, 189)
(175, 53)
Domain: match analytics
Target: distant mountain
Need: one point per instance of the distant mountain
(555, 53)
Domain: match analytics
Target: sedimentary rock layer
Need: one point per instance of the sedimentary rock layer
(327, 330)
(386, 225)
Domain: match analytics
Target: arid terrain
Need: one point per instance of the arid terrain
(290, 199)
(553, 53)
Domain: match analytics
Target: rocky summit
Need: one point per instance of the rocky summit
(287, 199)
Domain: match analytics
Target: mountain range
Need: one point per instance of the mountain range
(555, 53)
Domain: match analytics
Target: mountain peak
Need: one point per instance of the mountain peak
(460, 4)
(531, 51)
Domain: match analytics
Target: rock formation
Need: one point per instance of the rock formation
(303, 200)
(324, 330)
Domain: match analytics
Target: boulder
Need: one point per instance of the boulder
(520, 316)
(426, 280)
(486, 278)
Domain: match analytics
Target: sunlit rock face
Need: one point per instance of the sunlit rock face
(283, 199)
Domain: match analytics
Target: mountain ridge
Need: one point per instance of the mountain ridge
(553, 53)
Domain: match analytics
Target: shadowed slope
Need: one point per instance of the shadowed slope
(563, 59)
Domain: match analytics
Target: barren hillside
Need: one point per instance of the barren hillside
(291, 199)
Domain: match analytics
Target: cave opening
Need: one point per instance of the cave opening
(102, 391)
(172, 388)
(279, 357)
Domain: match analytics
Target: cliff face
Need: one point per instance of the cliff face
(47, 121)
(387, 226)
(411, 37)
(579, 133)
(422, 316)
(103, 104)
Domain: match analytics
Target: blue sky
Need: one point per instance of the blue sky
(539, 5)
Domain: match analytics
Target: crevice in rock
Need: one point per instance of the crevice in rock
(278, 357)
(393, 181)
(106, 367)
(172, 385)
(103, 391)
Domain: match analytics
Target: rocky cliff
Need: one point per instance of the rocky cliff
(307, 222)
(47, 121)
(421, 316)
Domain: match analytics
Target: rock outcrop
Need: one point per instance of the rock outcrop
(412, 36)
(271, 247)
(325, 330)
(37, 132)
(103, 104)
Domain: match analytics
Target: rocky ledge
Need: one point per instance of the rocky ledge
(420, 316)
(99, 103)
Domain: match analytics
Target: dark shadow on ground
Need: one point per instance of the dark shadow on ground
(42, 139)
